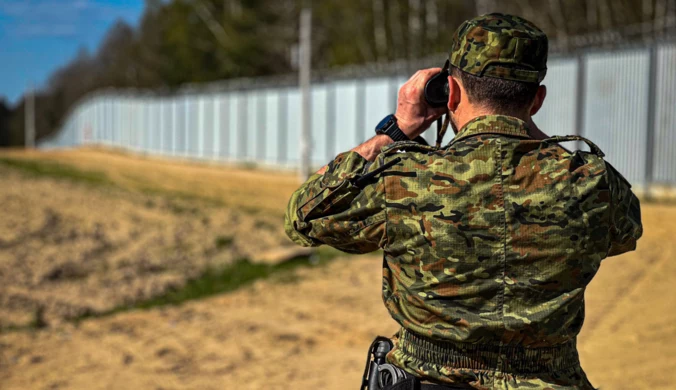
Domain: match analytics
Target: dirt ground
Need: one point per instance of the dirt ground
(70, 248)
(234, 186)
(312, 333)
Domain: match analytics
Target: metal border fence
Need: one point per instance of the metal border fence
(623, 100)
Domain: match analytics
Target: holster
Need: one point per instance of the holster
(378, 375)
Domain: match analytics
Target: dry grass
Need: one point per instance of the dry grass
(236, 187)
(79, 236)
(313, 332)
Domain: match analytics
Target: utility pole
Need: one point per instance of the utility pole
(304, 77)
(482, 6)
(29, 118)
(647, 19)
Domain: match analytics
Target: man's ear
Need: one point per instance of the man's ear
(539, 100)
(454, 94)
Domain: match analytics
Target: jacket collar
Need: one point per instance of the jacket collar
(493, 124)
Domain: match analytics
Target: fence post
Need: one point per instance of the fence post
(283, 120)
(200, 124)
(581, 103)
(331, 115)
(225, 135)
(29, 126)
(162, 126)
(147, 132)
(261, 124)
(216, 139)
(186, 126)
(393, 93)
(304, 78)
(174, 124)
(650, 126)
(242, 123)
(360, 111)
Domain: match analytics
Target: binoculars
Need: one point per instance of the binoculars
(437, 89)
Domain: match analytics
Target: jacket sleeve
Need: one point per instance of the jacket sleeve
(332, 209)
(625, 210)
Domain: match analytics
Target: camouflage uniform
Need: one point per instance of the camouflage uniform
(489, 244)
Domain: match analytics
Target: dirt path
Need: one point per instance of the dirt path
(313, 333)
(304, 335)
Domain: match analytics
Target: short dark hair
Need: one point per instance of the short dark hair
(501, 95)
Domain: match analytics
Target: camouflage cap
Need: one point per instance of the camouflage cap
(501, 46)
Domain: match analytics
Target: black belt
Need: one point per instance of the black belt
(414, 384)
(507, 359)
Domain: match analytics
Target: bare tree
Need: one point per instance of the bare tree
(660, 16)
(394, 22)
(431, 21)
(414, 41)
(556, 13)
(212, 24)
(647, 17)
(606, 16)
(592, 15)
(233, 7)
(485, 6)
(379, 29)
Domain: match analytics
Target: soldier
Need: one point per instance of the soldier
(490, 241)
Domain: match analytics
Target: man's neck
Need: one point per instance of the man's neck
(533, 129)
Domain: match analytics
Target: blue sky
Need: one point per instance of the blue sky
(39, 36)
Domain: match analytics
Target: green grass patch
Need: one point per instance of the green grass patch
(43, 168)
(326, 253)
(211, 282)
(218, 281)
(248, 165)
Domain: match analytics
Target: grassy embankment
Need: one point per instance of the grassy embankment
(211, 281)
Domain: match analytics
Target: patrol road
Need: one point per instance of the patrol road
(275, 335)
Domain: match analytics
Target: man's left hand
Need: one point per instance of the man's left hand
(414, 115)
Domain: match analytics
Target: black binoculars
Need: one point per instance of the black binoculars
(437, 89)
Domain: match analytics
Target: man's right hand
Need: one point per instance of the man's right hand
(414, 115)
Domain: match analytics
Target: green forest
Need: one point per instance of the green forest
(199, 41)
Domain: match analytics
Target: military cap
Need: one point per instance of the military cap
(501, 46)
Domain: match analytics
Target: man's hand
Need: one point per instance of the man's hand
(413, 114)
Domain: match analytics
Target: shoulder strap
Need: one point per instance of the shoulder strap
(566, 138)
(406, 146)
(609, 167)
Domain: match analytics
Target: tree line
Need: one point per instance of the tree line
(198, 41)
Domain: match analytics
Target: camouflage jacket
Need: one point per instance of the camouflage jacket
(490, 240)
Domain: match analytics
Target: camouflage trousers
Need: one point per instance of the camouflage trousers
(489, 367)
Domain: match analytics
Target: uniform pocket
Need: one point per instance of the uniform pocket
(333, 199)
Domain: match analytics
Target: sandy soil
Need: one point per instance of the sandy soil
(249, 189)
(70, 248)
(313, 333)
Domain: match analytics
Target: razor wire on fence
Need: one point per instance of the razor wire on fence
(623, 100)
